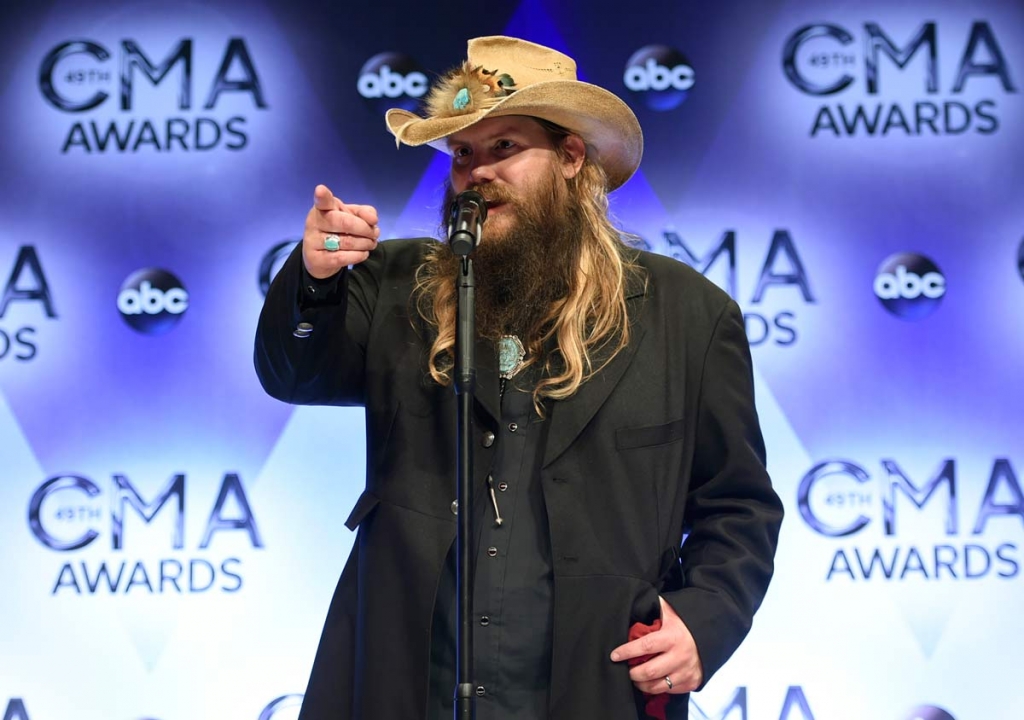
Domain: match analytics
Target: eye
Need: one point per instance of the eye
(504, 144)
(460, 154)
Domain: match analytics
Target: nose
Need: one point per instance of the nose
(481, 172)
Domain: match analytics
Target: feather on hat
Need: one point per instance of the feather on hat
(508, 76)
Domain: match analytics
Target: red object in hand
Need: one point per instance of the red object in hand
(656, 704)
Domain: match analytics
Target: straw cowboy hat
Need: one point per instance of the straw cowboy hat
(508, 76)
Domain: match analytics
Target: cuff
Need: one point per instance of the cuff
(317, 292)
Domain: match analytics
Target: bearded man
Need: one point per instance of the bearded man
(614, 414)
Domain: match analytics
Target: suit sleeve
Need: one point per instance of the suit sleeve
(311, 337)
(733, 515)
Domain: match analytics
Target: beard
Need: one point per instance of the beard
(525, 267)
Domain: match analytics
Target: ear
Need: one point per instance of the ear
(575, 151)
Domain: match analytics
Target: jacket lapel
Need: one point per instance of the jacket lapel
(569, 417)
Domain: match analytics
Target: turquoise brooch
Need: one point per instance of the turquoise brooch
(510, 356)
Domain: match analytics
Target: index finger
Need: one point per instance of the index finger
(649, 644)
(367, 213)
(323, 199)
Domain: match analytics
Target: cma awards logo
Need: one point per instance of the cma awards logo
(391, 79)
(661, 76)
(794, 705)
(83, 76)
(900, 79)
(16, 710)
(910, 286)
(66, 514)
(26, 295)
(839, 499)
(152, 301)
(287, 707)
(783, 284)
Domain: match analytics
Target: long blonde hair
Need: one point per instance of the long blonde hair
(589, 326)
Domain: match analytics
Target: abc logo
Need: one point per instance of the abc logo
(929, 712)
(285, 707)
(152, 301)
(910, 286)
(660, 75)
(390, 80)
(1020, 259)
(272, 261)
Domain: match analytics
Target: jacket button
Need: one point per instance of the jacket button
(480, 690)
(303, 330)
(502, 486)
(492, 551)
(488, 439)
(512, 427)
(455, 507)
(485, 621)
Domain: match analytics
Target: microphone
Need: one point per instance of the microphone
(465, 221)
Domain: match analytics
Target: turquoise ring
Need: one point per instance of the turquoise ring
(332, 243)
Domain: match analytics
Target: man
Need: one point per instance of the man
(614, 414)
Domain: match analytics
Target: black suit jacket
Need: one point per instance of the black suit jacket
(663, 441)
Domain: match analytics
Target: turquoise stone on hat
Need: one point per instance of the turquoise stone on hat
(510, 356)
(461, 99)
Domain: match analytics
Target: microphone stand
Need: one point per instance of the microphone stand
(465, 386)
(468, 212)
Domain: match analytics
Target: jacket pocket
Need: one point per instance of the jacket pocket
(646, 607)
(364, 505)
(648, 435)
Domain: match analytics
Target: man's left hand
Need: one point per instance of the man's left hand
(674, 656)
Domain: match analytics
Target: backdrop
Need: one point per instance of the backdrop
(849, 172)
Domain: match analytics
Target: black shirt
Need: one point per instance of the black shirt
(512, 589)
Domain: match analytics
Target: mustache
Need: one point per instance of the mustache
(496, 195)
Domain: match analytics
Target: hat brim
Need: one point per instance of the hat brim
(603, 120)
